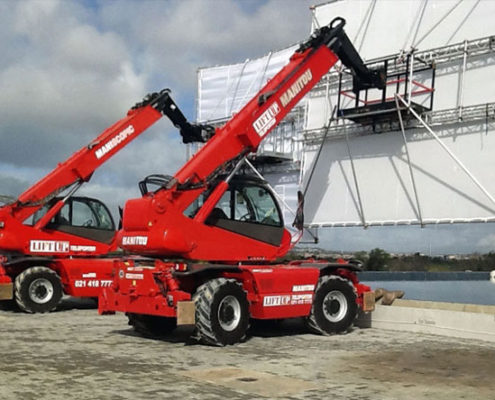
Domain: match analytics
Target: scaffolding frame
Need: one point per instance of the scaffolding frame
(419, 220)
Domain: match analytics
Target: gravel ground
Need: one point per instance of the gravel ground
(76, 354)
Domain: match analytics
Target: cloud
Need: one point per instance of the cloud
(68, 83)
(174, 38)
(12, 186)
(71, 69)
(487, 243)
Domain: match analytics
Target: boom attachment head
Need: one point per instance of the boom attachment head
(190, 133)
(334, 37)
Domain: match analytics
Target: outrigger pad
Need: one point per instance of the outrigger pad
(6, 291)
(186, 313)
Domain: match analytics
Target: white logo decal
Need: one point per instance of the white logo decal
(93, 283)
(134, 276)
(83, 248)
(303, 288)
(48, 246)
(296, 87)
(120, 137)
(301, 299)
(135, 240)
(272, 301)
(267, 119)
(288, 300)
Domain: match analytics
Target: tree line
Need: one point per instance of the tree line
(379, 260)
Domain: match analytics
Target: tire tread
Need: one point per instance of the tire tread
(203, 299)
(21, 278)
(311, 322)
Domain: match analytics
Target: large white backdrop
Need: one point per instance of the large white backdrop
(380, 190)
(445, 193)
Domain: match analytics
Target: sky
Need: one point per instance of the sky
(69, 69)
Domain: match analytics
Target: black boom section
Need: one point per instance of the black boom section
(162, 102)
(334, 37)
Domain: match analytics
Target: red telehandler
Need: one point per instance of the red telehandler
(52, 242)
(213, 233)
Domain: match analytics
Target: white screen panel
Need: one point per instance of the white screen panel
(224, 90)
(286, 187)
(381, 27)
(445, 191)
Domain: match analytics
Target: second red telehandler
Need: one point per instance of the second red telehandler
(53, 242)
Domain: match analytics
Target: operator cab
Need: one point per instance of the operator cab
(248, 208)
(81, 216)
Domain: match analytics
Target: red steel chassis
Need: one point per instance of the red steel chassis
(273, 291)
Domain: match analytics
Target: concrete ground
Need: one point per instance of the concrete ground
(76, 354)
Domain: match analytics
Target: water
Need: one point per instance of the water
(451, 287)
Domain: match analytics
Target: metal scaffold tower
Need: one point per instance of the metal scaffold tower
(400, 67)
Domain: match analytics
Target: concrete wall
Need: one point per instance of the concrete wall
(448, 319)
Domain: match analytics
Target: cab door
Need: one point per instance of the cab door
(82, 216)
(249, 209)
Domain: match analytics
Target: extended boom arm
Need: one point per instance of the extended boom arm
(158, 224)
(81, 165)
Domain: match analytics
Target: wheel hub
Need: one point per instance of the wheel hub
(334, 306)
(41, 291)
(229, 313)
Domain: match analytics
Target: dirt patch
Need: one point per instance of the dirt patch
(252, 382)
(429, 366)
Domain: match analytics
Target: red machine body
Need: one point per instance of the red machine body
(229, 220)
(160, 217)
(51, 244)
(273, 291)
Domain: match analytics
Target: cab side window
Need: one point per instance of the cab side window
(105, 221)
(262, 206)
(82, 215)
(242, 210)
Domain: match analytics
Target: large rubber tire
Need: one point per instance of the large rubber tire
(334, 306)
(222, 312)
(151, 325)
(38, 290)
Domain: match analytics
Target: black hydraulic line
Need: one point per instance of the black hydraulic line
(315, 162)
(313, 168)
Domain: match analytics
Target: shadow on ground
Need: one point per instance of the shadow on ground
(77, 303)
(66, 304)
(258, 328)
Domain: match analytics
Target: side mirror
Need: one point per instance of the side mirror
(299, 219)
(121, 213)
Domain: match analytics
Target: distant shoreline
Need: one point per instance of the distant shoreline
(424, 276)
